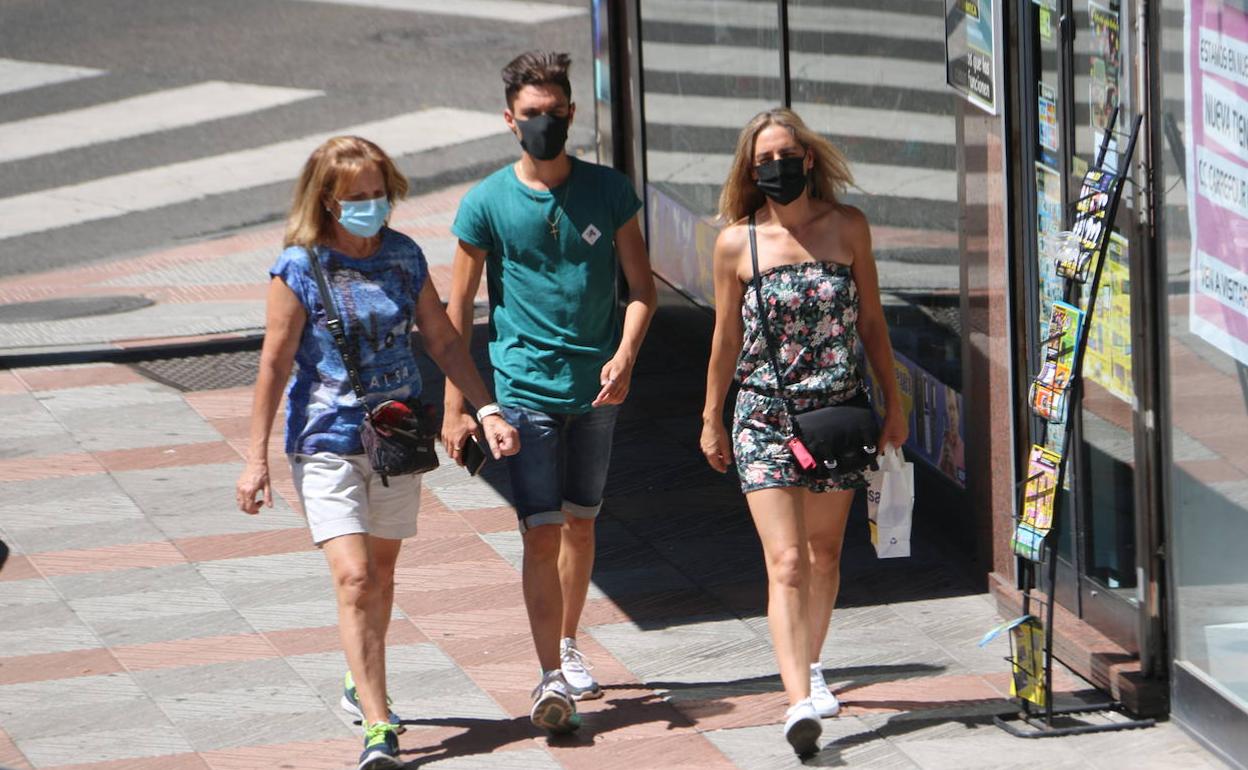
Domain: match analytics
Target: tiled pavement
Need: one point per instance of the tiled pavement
(146, 624)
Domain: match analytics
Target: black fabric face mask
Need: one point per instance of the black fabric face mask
(543, 136)
(783, 179)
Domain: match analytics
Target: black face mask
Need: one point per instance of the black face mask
(543, 136)
(783, 179)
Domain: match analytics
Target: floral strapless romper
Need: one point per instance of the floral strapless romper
(812, 314)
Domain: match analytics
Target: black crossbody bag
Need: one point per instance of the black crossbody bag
(831, 441)
(398, 437)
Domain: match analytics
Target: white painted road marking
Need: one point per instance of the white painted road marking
(514, 11)
(138, 115)
(192, 180)
(20, 75)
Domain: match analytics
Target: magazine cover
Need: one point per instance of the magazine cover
(1038, 493)
(1028, 680)
(1057, 361)
(1090, 212)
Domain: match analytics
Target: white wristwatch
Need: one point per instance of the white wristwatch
(487, 410)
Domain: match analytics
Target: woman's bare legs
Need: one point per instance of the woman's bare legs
(363, 570)
(778, 518)
(824, 515)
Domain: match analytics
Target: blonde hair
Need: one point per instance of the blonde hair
(829, 177)
(330, 170)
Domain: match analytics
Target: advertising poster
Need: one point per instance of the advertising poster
(970, 61)
(935, 417)
(1048, 225)
(681, 244)
(1107, 361)
(1046, 113)
(1216, 84)
(1106, 62)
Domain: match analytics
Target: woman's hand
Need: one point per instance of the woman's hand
(457, 426)
(252, 481)
(715, 445)
(501, 436)
(896, 429)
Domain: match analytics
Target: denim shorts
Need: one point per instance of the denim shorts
(561, 465)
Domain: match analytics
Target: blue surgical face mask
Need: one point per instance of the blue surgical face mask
(364, 218)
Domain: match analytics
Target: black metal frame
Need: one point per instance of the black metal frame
(1074, 397)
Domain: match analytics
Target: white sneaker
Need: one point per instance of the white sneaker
(553, 708)
(575, 667)
(802, 728)
(825, 703)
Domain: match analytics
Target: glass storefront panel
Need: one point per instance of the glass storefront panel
(708, 66)
(873, 82)
(1204, 99)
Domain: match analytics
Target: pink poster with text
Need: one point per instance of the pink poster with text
(1216, 82)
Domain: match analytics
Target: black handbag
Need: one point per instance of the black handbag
(828, 442)
(398, 436)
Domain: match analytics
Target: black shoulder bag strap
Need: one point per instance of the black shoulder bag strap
(337, 331)
(761, 309)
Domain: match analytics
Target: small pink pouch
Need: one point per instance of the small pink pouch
(801, 453)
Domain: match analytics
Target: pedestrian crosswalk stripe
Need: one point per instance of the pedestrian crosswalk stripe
(723, 112)
(138, 115)
(20, 75)
(731, 60)
(802, 18)
(874, 178)
(191, 180)
(515, 11)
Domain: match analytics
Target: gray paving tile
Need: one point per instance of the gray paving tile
(147, 606)
(162, 495)
(117, 397)
(992, 748)
(229, 573)
(521, 759)
(91, 585)
(845, 742)
(119, 632)
(957, 624)
(40, 439)
(93, 535)
(650, 578)
(311, 613)
(77, 500)
(145, 425)
(16, 593)
(30, 708)
(509, 544)
(209, 734)
(150, 740)
(52, 628)
(710, 650)
(22, 418)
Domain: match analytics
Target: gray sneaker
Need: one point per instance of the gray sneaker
(575, 667)
(553, 707)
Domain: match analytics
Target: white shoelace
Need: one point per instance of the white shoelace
(575, 659)
(818, 687)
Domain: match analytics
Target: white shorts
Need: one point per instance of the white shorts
(341, 495)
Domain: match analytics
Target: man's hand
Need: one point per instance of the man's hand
(501, 436)
(457, 426)
(616, 378)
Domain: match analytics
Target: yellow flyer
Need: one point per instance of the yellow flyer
(1028, 680)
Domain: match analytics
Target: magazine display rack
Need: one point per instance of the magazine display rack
(1055, 396)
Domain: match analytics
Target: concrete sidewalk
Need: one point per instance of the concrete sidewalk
(148, 624)
(194, 294)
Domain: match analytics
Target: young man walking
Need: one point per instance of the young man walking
(553, 234)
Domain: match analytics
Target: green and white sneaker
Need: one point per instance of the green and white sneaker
(381, 748)
(350, 703)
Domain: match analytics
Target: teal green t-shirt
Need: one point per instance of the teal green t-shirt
(553, 309)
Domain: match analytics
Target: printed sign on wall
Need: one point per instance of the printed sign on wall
(1216, 84)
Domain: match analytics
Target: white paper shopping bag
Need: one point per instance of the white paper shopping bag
(890, 504)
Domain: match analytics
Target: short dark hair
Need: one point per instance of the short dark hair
(536, 68)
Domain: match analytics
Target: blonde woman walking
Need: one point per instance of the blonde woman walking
(819, 284)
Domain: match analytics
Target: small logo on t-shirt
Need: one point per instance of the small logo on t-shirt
(591, 235)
